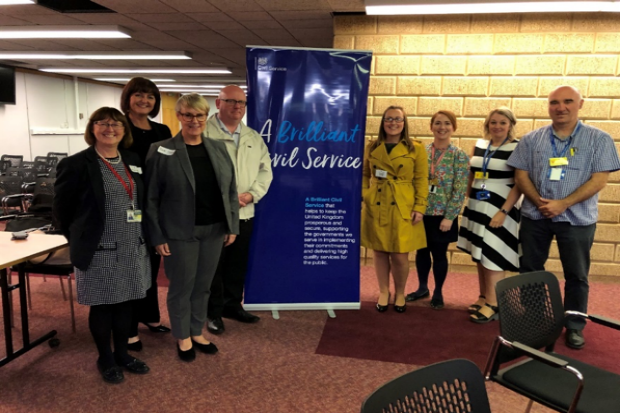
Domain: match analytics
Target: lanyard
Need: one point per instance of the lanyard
(433, 163)
(570, 141)
(128, 189)
(487, 156)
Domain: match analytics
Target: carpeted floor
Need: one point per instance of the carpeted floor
(272, 366)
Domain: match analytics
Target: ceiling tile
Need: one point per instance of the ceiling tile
(26, 9)
(237, 56)
(347, 5)
(160, 18)
(259, 24)
(128, 44)
(219, 26)
(50, 19)
(301, 15)
(191, 6)
(205, 39)
(241, 37)
(252, 16)
(211, 17)
(270, 5)
(237, 5)
(177, 26)
(11, 45)
(136, 6)
(12, 21)
(326, 25)
(107, 19)
(46, 45)
(277, 37)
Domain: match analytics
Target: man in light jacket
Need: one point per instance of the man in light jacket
(253, 172)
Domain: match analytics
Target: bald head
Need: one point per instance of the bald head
(231, 104)
(564, 105)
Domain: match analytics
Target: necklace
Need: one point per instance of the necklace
(111, 160)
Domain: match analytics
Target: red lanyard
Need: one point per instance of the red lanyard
(128, 189)
(433, 163)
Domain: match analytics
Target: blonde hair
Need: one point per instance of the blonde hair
(507, 113)
(192, 101)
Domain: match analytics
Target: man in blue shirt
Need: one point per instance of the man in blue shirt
(560, 169)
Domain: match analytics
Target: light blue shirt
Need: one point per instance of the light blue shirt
(235, 135)
(591, 150)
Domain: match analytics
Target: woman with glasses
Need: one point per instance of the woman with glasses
(395, 188)
(98, 206)
(140, 101)
(192, 212)
(447, 174)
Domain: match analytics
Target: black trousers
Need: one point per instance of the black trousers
(147, 309)
(574, 244)
(111, 321)
(229, 281)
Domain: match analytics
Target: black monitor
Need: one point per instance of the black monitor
(7, 85)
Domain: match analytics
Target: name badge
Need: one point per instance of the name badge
(432, 189)
(134, 215)
(379, 173)
(558, 161)
(481, 175)
(166, 151)
(135, 169)
(556, 174)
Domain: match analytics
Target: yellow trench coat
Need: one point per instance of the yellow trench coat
(388, 202)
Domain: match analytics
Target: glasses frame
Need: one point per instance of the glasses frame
(390, 120)
(106, 125)
(188, 117)
(233, 102)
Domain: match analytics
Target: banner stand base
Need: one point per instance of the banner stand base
(276, 308)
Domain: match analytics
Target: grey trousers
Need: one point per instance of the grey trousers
(190, 269)
(574, 244)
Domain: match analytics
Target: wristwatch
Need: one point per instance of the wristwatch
(504, 211)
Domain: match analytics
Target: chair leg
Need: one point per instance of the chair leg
(62, 287)
(529, 406)
(71, 303)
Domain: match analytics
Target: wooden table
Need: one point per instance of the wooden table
(16, 253)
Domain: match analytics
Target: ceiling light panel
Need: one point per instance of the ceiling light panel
(95, 55)
(63, 32)
(13, 2)
(177, 71)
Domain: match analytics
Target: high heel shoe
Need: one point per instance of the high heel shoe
(383, 308)
(486, 314)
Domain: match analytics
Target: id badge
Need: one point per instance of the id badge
(483, 195)
(432, 189)
(434, 182)
(558, 161)
(481, 175)
(380, 173)
(556, 174)
(134, 215)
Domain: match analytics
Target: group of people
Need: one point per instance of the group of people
(137, 194)
(521, 194)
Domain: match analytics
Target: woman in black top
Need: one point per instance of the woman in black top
(139, 101)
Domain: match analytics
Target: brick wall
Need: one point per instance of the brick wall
(470, 64)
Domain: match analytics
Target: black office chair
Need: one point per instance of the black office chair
(531, 318)
(455, 386)
(10, 193)
(13, 160)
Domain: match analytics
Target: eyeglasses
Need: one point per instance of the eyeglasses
(390, 120)
(233, 102)
(106, 125)
(188, 117)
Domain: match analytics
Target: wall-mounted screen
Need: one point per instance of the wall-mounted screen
(7, 85)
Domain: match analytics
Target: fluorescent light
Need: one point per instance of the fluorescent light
(145, 70)
(63, 32)
(95, 55)
(400, 7)
(206, 85)
(184, 90)
(127, 79)
(12, 2)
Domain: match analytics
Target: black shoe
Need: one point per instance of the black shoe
(215, 326)
(157, 329)
(137, 346)
(112, 375)
(574, 339)
(137, 367)
(241, 315)
(437, 303)
(417, 295)
(400, 308)
(187, 355)
(382, 308)
(205, 348)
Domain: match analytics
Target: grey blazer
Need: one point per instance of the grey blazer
(170, 204)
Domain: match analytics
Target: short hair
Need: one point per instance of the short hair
(140, 85)
(192, 101)
(506, 112)
(404, 135)
(108, 113)
(451, 117)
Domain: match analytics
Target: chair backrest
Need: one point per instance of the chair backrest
(449, 386)
(57, 155)
(530, 310)
(15, 160)
(10, 185)
(27, 165)
(40, 158)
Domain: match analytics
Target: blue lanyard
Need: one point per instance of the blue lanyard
(570, 141)
(487, 157)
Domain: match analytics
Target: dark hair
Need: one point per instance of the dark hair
(107, 113)
(140, 85)
(451, 117)
(404, 135)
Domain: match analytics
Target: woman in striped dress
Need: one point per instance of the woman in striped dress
(490, 226)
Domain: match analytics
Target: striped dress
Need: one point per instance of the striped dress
(495, 248)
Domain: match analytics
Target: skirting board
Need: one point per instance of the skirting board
(302, 306)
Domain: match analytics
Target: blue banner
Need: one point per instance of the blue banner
(310, 107)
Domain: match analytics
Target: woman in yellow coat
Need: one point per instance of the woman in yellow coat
(395, 189)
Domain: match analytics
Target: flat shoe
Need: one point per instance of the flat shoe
(475, 307)
(205, 348)
(112, 375)
(437, 303)
(187, 355)
(137, 346)
(574, 339)
(417, 295)
(157, 329)
(485, 314)
(137, 367)
(241, 315)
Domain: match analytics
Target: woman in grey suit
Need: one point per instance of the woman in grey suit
(192, 211)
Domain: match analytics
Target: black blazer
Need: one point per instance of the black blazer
(79, 201)
(140, 144)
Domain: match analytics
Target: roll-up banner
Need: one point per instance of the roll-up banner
(309, 105)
